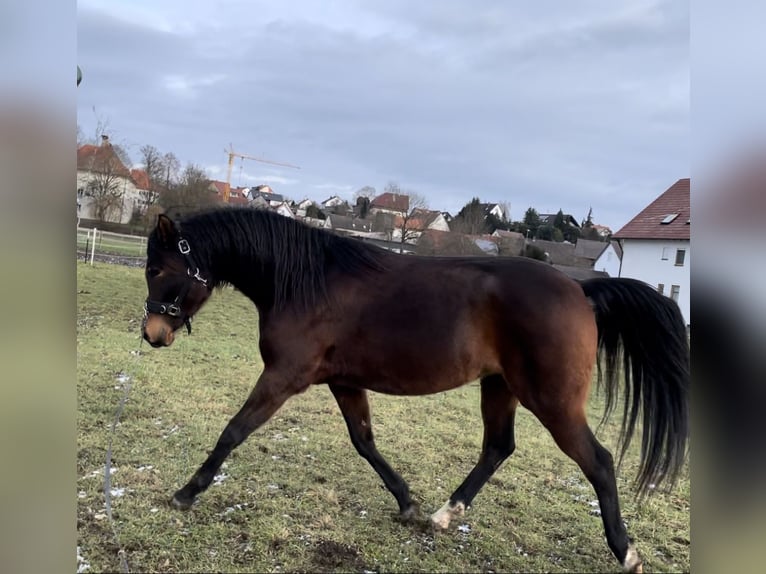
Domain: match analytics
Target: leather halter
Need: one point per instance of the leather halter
(173, 309)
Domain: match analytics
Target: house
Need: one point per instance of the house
(493, 209)
(283, 209)
(264, 196)
(609, 259)
(301, 207)
(418, 222)
(447, 244)
(333, 201)
(396, 203)
(602, 230)
(586, 251)
(144, 196)
(106, 191)
(656, 245)
(558, 252)
(237, 195)
(346, 225)
(509, 242)
(550, 219)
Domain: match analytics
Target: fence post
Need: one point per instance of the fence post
(87, 247)
(93, 246)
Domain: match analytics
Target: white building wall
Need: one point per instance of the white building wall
(654, 262)
(439, 224)
(122, 214)
(608, 262)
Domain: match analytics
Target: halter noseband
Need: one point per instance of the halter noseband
(174, 309)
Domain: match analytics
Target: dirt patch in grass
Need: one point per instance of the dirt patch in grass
(331, 556)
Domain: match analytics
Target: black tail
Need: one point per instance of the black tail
(644, 332)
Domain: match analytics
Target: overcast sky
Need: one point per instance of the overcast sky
(552, 105)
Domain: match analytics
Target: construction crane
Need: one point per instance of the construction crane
(232, 155)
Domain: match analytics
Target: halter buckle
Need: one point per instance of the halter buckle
(173, 310)
(183, 247)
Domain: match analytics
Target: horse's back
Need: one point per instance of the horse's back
(438, 323)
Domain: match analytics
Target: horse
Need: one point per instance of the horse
(340, 312)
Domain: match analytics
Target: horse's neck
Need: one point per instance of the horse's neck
(249, 273)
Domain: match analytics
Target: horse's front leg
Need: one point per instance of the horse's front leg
(269, 393)
(356, 412)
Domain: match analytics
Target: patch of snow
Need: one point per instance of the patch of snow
(219, 478)
(117, 492)
(82, 564)
(464, 528)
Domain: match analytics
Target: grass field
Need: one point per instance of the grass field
(295, 497)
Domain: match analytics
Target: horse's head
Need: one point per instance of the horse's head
(177, 287)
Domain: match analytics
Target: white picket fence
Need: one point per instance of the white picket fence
(94, 241)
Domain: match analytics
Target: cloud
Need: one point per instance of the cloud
(580, 106)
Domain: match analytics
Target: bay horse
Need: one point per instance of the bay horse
(337, 311)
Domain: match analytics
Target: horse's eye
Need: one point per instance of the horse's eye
(152, 272)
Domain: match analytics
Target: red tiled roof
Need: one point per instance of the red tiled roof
(99, 158)
(392, 201)
(140, 178)
(236, 194)
(648, 223)
(421, 219)
(220, 186)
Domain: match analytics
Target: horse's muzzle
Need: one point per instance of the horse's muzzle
(158, 333)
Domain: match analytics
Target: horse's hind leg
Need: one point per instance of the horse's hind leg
(498, 409)
(573, 435)
(356, 412)
(269, 393)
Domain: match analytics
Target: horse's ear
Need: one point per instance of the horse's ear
(166, 229)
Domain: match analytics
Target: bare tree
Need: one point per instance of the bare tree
(120, 150)
(471, 219)
(393, 187)
(154, 167)
(367, 191)
(362, 199)
(191, 193)
(415, 220)
(171, 168)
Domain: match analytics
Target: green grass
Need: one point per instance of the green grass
(297, 497)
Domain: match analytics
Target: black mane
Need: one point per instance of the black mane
(293, 256)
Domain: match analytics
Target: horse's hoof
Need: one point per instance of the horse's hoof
(181, 503)
(441, 519)
(409, 514)
(632, 562)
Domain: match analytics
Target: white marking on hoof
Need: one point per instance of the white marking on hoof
(442, 517)
(632, 562)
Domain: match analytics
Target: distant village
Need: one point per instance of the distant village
(117, 198)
